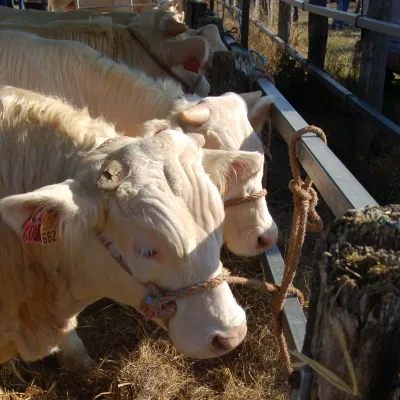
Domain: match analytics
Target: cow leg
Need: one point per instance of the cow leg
(73, 353)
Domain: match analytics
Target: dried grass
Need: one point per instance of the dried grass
(136, 360)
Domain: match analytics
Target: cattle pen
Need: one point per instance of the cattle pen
(338, 187)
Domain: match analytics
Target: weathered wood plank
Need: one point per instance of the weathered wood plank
(285, 21)
(317, 36)
(371, 80)
(231, 72)
(356, 287)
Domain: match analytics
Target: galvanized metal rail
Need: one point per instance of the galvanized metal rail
(350, 99)
(359, 21)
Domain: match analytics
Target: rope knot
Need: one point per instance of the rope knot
(157, 305)
(299, 189)
(163, 305)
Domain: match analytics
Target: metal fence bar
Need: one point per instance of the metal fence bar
(339, 188)
(361, 107)
(359, 21)
(294, 321)
(334, 181)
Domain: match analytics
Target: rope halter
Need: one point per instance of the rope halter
(158, 304)
(164, 305)
(241, 200)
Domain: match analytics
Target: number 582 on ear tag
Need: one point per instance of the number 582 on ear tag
(48, 229)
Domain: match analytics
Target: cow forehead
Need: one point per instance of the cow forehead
(228, 103)
(161, 148)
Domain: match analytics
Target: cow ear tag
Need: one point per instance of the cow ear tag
(31, 231)
(41, 228)
(48, 229)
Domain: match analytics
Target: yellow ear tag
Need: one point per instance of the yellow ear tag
(48, 229)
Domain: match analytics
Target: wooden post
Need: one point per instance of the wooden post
(356, 290)
(268, 7)
(371, 80)
(231, 72)
(317, 36)
(244, 31)
(193, 11)
(285, 21)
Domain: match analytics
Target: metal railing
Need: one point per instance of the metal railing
(359, 21)
(346, 96)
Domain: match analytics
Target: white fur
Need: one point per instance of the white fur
(165, 201)
(120, 43)
(40, 17)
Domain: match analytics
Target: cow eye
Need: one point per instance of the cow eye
(145, 252)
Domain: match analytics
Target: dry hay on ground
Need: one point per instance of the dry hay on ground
(137, 361)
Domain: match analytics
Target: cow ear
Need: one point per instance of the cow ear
(74, 207)
(251, 98)
(192, 53)
(227, 169)
(167, 24)
(260, 112)
(198, 139)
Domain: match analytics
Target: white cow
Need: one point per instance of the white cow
(70, 5)
(126, 212)
(209, 32)
(132, 101)
(40, 17)
(146, 44)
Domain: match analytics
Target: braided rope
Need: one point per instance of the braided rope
(258, 73)
(305, 217)
(159, 304)
(245, 199)
(164, 305)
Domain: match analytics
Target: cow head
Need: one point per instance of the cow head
(185, 59)
(152, 198)
(228, 122)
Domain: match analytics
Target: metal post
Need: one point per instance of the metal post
(244, 32)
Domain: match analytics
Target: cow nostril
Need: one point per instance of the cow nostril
(262, 242)
(219, 344)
